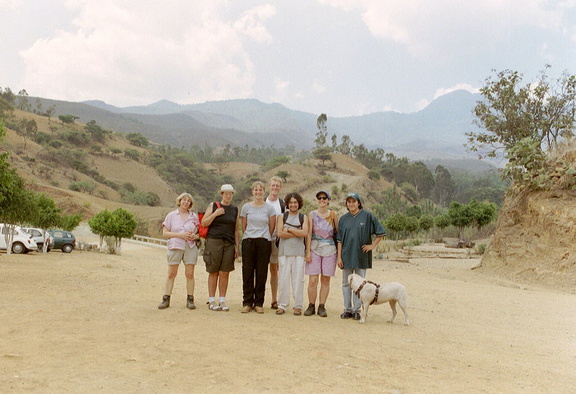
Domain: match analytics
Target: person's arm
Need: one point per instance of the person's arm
(375, 242)
(244, 223)
(281, 231)
(308, 256)
(236, 236)
(299, 232)
(272, 224)
(170, 234)
(340, 262)
(209, 216)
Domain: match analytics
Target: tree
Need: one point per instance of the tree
(101, 225)
(396, 223)
(27, 128)
(97, 132)
(484, 212)
(284, 175)
(137, 139)
(334, 142)
(124, 226)
(70, 222)
(426, 222)
(536, 115)
(442, 221)
(322, 133)
(221, 162)
(118, 224)
(345, 146)
(22, 103)
(48, 215)
(67, 118)
(323, 154)
(443, 186)
(422, 179)
(461, 216)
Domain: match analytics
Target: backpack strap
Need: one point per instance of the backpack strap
(300, 217)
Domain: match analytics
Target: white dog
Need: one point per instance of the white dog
(372, 293)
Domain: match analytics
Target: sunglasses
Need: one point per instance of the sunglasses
(323, 198)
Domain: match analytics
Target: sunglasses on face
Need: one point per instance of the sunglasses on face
(323, 198)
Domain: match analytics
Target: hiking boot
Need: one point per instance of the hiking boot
(224, 307)
(311, 310)
(165, 302)
(322, 311)
(356, 316)
(246, 309)
(190, 302)
(213, 306)
(259, 309)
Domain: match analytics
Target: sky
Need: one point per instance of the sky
(339, 57)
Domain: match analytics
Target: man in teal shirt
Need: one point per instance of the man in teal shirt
(355, 245)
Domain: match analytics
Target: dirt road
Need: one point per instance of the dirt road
(85, 322)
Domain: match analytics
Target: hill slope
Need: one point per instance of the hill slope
(535, 239)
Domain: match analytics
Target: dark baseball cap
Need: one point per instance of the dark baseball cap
(355, 196)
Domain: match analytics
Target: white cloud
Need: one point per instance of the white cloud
(251, 23)
(443, 29)
(145, 49)
(318, 87)
(460, 86)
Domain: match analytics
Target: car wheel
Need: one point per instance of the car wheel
(18, 248)
(40, 247)
(47, 250)
(67, 248)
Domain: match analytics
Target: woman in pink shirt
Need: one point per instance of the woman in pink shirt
(181, 229)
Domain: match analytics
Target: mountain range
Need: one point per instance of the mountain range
(436, 131)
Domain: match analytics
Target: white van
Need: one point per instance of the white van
(21, 241)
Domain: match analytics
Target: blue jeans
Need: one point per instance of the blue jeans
(349, 296)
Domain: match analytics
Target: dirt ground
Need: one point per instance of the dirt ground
(85, 322)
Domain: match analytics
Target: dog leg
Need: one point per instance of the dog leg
(402, 304)
(393, 307)
(364, 312)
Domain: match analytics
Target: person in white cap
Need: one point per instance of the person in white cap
(221, 248)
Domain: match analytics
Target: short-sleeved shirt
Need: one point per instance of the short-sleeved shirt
(278, 209)
(294, 246)
(353, 233)
(224, 226)
(174, 222)
(257, 220)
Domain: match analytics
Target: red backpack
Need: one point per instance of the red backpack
(203, 231)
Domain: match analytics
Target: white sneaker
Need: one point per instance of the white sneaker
(224, 307)
(213, 306)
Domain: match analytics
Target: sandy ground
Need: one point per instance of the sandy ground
(85, 322)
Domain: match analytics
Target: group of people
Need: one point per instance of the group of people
(276, 238)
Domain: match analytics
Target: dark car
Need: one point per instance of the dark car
(63, 240)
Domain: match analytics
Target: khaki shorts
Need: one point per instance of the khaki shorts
(186, 256)
(274, 253)
(218, 255)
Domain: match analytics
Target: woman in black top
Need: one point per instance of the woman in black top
(221, 247)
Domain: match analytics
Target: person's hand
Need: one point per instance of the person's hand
(367, 248)
(308, 258)
(340, 263)
(220, 211)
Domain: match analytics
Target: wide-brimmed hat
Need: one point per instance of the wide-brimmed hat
(355, 196)
(227, 188)
(324, 192)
